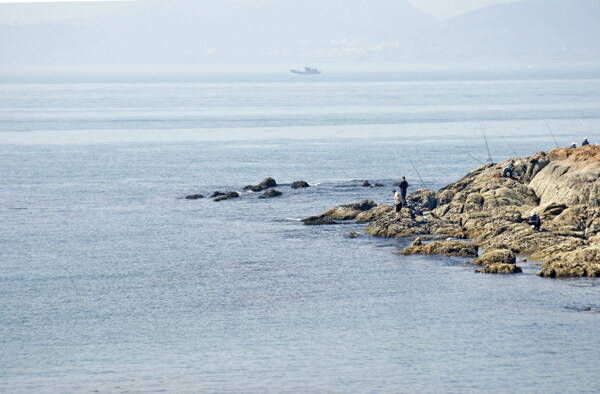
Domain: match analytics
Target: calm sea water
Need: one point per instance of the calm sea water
(111, 281)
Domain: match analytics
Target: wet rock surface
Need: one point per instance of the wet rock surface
(267, 183)
(271, 193)
(227, 196)
(194, 197)
(446, 248)
(300, 184)
(561, 186)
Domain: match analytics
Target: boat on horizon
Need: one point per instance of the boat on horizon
(306, 71)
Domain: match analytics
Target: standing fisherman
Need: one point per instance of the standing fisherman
(398, 204)
(403, 188)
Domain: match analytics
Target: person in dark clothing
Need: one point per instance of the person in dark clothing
(403, 188)
(585, 142)
(508, 170)
(535, 222)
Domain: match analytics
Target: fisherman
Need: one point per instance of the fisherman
(535, 221)
(573, 145)
(398, 204)
(507, 172)
(585, 142)
(403, 188)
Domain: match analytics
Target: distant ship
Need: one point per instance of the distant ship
(306, 71)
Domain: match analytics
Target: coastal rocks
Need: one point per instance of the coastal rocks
(581, 261)
(227, 196)
(446, 248)
(423, 200)
(500, 261)
(194, 196)
(267, 183)
(343, 212)
(374, 213)
(271, 193)
(300, 185)
(217, 194)
(366, 184)
(571, 177)
(562, 186)
(500, 268)
(499, 256)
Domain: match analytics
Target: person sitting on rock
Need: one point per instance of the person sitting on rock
(398, 204)
(573, 145)
(585, 142)
(535, 222)
(507, 172)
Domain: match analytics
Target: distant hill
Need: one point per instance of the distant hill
(190, 31)
(537, 29)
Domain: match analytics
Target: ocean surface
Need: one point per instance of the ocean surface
(111, 281)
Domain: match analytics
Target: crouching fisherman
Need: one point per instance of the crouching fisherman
(535, 222)
(507, 172)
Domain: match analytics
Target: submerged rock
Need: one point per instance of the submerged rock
(366, 184)
(217, 194)
(227, 196)
(194, 196)
(271, 194)
(300, 184)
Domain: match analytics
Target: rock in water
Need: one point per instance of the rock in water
(194, 196)
(300, 184)
(217, 194)
(343, 212)
(500, 268)
(271, 194)
(446, 248)
(267, 183)
(227, 196)
(498, 256)
(366, 184)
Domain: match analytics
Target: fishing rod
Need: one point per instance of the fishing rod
(474, 158)
(417, 171)
(551, 133)
(486, 142)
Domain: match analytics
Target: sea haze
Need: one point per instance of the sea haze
(110, 280)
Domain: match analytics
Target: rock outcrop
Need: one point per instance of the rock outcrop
(300, 184)
(561, 186)
(343, 212)
(227, 196)
(271, 193)
(446, 248)
(194, 197)
(267, 183)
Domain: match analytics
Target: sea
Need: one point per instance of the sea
(111, 281)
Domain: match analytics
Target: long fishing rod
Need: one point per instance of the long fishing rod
(474, 158)
(551, 133)
(486, 142)
(417, 171)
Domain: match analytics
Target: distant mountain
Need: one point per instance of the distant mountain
(191, 31)
(537, 29)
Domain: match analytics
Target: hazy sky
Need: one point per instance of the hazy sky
(442, 9)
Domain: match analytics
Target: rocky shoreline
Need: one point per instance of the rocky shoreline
(486, 211)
